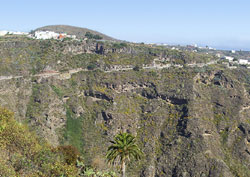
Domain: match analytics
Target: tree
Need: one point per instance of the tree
(92, 66)
(137, 68)
(92, 36)
(124, 149)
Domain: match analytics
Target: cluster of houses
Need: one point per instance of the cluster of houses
(51, 35)
(3, 33)
(40, 34)
(236, 61)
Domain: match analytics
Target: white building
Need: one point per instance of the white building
(243, 61)
(218, 55)
(51, 35)
(46, 35)
(233, 51)
(72, 36)
(229, 58)
(23, 33)
(174, 48)
(18, 33)
(3, 33)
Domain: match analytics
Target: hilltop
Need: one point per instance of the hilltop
(72, 30)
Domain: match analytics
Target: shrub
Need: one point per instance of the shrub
(70, 154)
(91, 66)
(22, 154)
(92, 36)
(137, 68)
(119, 45)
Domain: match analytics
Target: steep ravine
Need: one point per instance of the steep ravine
(188, 123)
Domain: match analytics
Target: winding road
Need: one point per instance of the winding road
(67, 74)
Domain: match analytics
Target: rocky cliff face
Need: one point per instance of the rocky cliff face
(188, 121)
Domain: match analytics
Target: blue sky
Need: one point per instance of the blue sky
(217, 23)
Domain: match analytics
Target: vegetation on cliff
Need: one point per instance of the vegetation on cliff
(22, 153)
(189, 119)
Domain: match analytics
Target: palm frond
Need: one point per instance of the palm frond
(123, 149)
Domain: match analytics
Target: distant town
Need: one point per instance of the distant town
(40, 34)
(231, 58)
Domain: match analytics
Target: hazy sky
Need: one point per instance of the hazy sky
(218, 23)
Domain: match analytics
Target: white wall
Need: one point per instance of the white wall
(243, 62)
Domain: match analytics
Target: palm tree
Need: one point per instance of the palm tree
(124, 148)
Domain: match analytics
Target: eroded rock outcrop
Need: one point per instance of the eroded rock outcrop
(187, 123)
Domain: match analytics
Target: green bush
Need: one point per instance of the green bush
(92, 36)
(23, 154)
(91, 66)
(70, 154)
(120, 45)
(137, 68)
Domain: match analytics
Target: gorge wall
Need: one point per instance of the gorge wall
(188, 121)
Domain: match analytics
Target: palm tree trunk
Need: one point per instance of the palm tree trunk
(123, 169)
